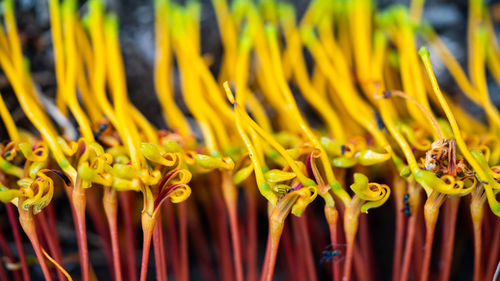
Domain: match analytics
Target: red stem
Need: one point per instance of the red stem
(99, 222)
(252, 234)
(129, 234)
(293, 272)
(275, 231)
(365, 247)
(18, 241)
(297, 239)
(331, 215)
(309, 260)
(229, 192)
(359, 264)
(28, 224)
(184, 242)
(147, 230)
(79, 202)
(477, 249)
(448, 237)
(8, 253)
(200, 244)
(54, 248)
(398, 191)
(351, 220)
(409, 245)
(222, 235)
(172, 239)
(161, 273)
(494, 251)
(110, 204)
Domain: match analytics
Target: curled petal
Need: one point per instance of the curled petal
(313, 171)
(385, 191)
(43, 190)
(366, 190)
(149, 177)
(156, 154)
(39, 153)
(447, 184)
(177, 193)
(179, 176)
(306, 196)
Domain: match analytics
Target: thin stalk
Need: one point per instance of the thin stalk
(8, 253)
(148, 224)
(251, 247)
(3, 273)
(309, 260)
(54, 248)
(360, 267)
(28, 224)
(160, 265)
(79, 200)
(411, 231)
(172, 239)
(398, 191)
(223, 239)
(110, 203)
(332, 215)
(99, 222)
(299, 253)
(293, 272)
(18, 241)
(431, 213)
(200, 244)
(494, 251)
(366, 249)
(184, 242)
(477, 213)
(230, 194)
(448, 238)
(275, 231)
(129, 233)
(351, 221)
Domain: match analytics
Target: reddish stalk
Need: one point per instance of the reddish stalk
(448, 237)
(477, 214)
(3, 273)
(293, 272)
(431, 213)
(224, 244)
(200, 244)
(28, 224)
(160, 265)
(298, 250)
(148, 224)
(365, 249)
(351, 221)
(411, 230)
(252, 234)
(110, 203)
(306, 243)
(359, 264)
(129, 234)
(4, 245)
(398, 190)
(494, 251)
(172, 239)
(79, 200)
(18, 241)
(275, 231)
(54, 248)
(183, 242)
(230, 194)
(99, 222)
(332, 215)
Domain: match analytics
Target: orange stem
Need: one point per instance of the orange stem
(448, 238)
(184, 242)
(251, 246)
(129, 234)
(275, 231)
(111, 209)
(147, 230)
(332, 215)
(79, 200)
(28, 224)
(309, 261)
(160, 265)
(477, 249)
